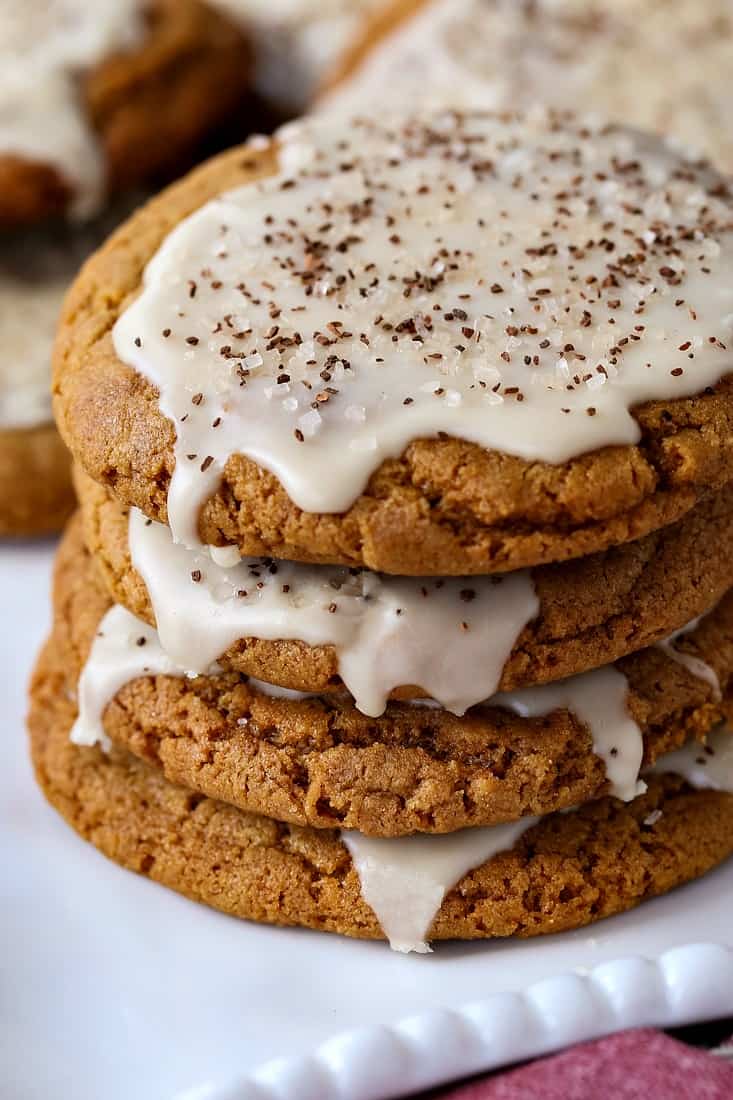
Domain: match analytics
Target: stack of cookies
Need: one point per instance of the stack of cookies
(398, 604)
(96, 99)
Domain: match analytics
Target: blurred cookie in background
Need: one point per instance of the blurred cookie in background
(663, 65)
(36, 268)
(296, 43)
(98, 98)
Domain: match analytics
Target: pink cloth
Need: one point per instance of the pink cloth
(633, 1065)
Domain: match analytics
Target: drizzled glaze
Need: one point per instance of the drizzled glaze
(449, 637)
(615, 59)
(518, 283)
(405, 880)
(123, 649)
(46, 46)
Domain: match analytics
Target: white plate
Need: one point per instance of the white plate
(112, 987)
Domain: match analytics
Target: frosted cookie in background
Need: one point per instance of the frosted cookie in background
(296, 42)
(36, 268)
(662, 65)
(99, 98)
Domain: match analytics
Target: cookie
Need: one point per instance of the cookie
(567, 871)
(589, 612)
(156, 406)
(318, 761)
(515, 54)
(100, 99)
(36, 494)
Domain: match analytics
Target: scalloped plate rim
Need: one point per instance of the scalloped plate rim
(682, 976)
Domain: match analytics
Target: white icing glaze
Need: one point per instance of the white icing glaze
(35, 272)
(699, 668)
(296, 42)
(45, 48)
(598, 699)
(512, 282)
(405, 879)
(635, 61)
(450, 637)
(705, 767)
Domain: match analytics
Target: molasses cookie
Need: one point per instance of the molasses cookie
(454, 344)
(99, 98)
(459, 640)
(525, 879)
(615, 59)
(319, 761)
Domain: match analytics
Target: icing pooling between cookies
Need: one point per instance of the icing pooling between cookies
(518, 283)
(405, 879)
(45, 48)
(449, 637)
(296, 41)
(124, 648)
(635, 61)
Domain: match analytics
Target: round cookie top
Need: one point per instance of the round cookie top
(615, 59)
(518, 283)
(85, 88)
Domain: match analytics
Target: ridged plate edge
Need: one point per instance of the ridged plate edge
(684, 985)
